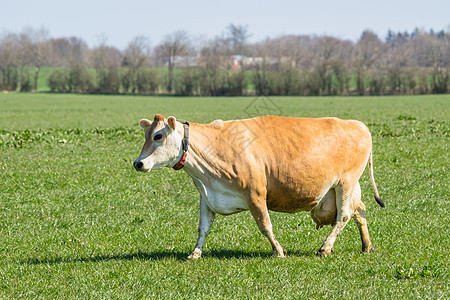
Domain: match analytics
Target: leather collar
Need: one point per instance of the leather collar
(179, 165)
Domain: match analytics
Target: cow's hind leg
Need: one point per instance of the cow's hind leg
(260, 213)
(344, 206)
(360, 218)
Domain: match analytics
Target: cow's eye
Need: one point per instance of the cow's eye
(157, 136)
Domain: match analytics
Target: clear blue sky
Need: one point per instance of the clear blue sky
(120, 21)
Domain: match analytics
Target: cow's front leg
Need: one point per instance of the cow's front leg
(259, 211)
(206, 219)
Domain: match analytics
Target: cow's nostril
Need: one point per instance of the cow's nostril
(138, 165)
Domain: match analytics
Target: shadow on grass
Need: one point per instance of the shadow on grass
(155, 255)
(159, 255)
(239, 254)
(228, 254)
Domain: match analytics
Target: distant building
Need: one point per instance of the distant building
(184, 61)
(233, 62)
(236, 62)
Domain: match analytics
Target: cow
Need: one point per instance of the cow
(282, 164)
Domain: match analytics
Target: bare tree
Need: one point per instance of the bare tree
(9, 61)
(217, 46)
(36, 50)
(214, 64)
(59, 49)
(136, 56)
(327, 60)
(433, 52)
(172, 46)
(77, 50)
(106, 61)
(238, 36)
(367, 51)
(398, 61)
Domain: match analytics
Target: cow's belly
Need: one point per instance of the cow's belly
(226, 203)
(221, 199)
(292, 205)
(292, 201)
(292, 190)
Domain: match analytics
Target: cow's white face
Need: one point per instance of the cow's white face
(163, 144)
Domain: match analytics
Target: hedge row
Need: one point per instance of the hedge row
(219, 82)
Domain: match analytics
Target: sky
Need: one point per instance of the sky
(120, 21)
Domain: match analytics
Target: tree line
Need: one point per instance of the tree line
(414, 62)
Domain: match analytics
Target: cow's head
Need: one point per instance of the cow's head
(163, 144)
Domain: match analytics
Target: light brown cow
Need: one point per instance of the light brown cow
(268, 163)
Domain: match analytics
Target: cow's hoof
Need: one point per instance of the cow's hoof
(280, 255)
(196, 254)
(193, 257)
(324, 252)
(368, 249)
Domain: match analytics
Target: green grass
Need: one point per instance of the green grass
(77, 221)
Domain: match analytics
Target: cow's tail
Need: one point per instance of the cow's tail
(374, 185)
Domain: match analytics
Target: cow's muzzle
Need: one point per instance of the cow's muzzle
(138, 165)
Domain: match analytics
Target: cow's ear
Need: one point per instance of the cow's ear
(144, 123)
(172, 122)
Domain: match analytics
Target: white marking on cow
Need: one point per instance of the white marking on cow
(221, 199)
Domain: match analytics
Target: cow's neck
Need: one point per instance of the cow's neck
(203, 157)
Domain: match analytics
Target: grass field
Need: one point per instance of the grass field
(76, 220)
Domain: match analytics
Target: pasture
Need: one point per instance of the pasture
(76, 220)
